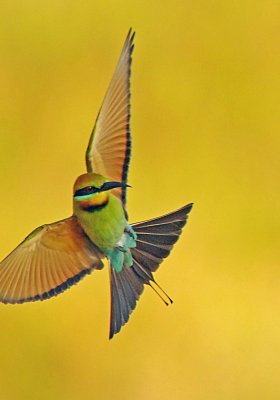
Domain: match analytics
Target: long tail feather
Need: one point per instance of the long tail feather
(155, 239)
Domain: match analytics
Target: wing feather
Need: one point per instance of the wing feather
(109, 147)
(47, 262)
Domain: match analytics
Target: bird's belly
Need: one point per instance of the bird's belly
(106, 234)
(104, 228)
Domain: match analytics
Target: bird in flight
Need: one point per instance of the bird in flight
(56, 256)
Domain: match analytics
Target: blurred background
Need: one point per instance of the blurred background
(205, 124)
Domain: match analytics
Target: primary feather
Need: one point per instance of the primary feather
(109, 147)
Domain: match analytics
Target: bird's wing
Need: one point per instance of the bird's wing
(50, 260)
(109, 147)
(155, 239)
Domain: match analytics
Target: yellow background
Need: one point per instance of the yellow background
(205, 123)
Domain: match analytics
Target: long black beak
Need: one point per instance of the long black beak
(112, 185)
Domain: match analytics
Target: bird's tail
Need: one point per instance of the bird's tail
(155, 239)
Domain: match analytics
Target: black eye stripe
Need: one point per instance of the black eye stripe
(86, 190)
(106, 186)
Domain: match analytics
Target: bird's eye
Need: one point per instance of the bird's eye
(86, 191)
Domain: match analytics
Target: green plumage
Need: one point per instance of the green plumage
(104, 226)
(107, 228)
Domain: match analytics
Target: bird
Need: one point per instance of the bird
(56, 256)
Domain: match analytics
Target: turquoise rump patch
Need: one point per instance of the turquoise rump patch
(121, 255)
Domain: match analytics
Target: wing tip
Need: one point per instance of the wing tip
(129, 42)
(131, 35)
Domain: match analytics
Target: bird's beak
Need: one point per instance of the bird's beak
(113, 185)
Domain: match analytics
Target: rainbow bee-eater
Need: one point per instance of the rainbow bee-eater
(55, 256)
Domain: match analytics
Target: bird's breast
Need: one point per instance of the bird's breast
(104, 226)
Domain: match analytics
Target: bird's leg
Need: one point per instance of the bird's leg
(129, 230)
(130, 236)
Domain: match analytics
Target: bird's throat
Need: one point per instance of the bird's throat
(93, 202)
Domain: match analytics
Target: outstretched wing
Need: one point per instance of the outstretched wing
(109, 147)
(50, 260)
(155, 239)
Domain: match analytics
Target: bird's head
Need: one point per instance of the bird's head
(92, 191)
